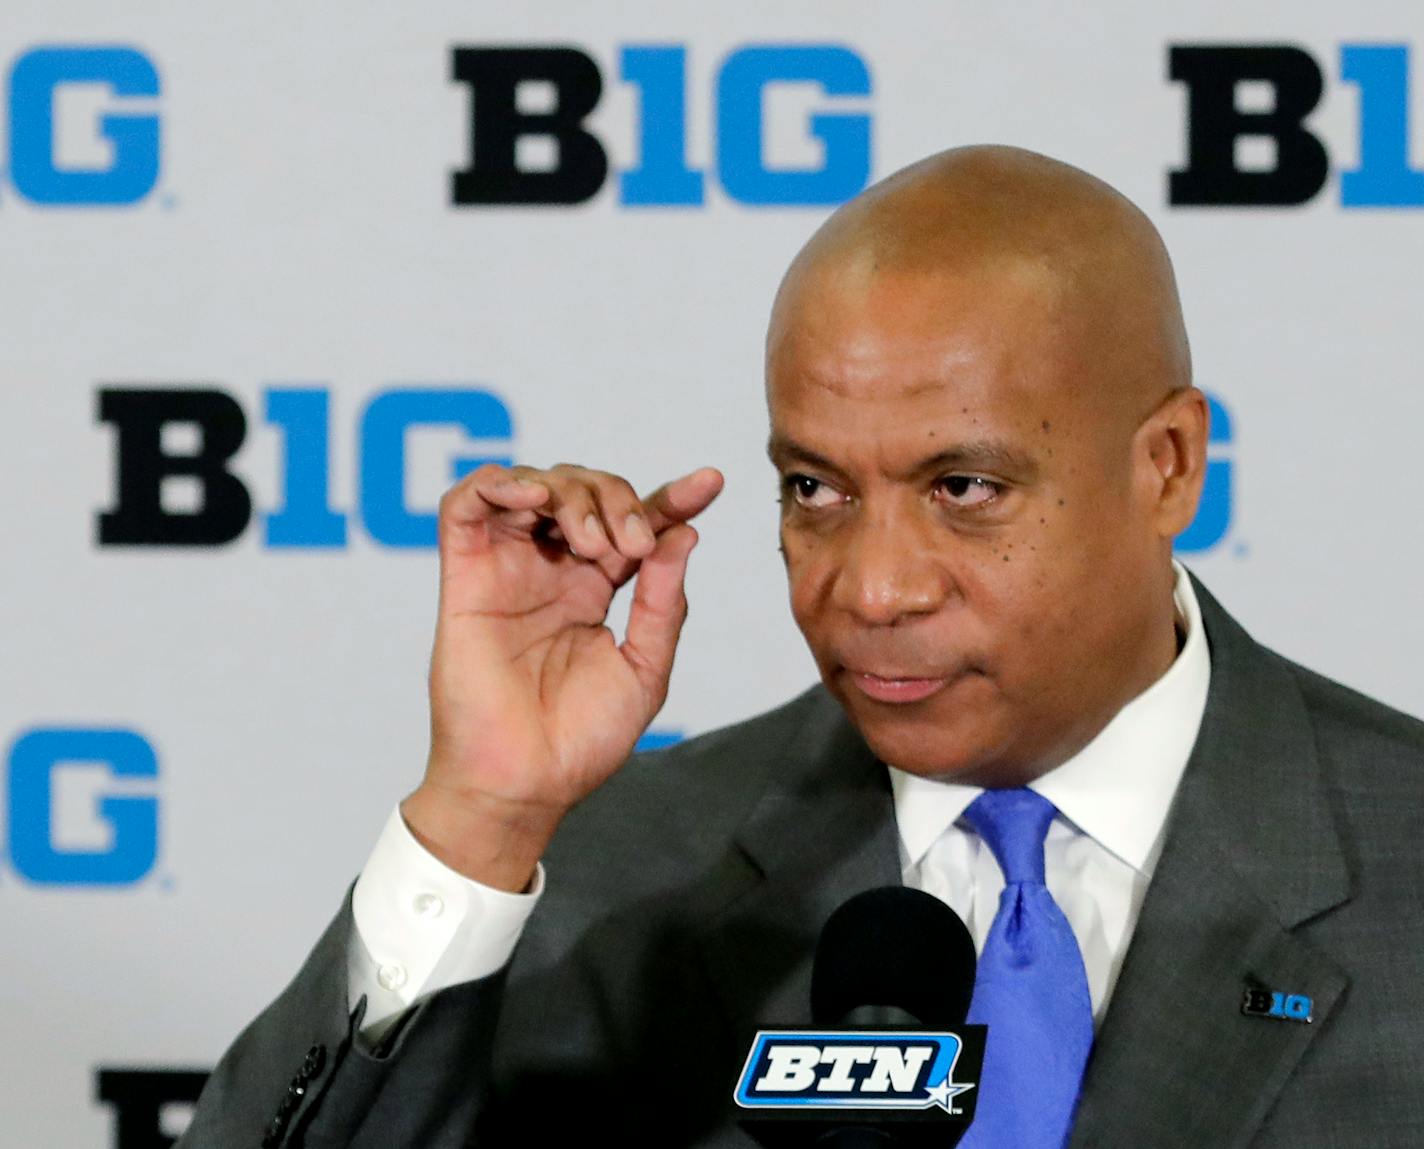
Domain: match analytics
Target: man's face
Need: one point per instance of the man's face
(964, 526)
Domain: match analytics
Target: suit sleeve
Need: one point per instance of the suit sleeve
(300, 1076)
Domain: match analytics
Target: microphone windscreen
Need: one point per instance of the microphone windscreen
(894, 949)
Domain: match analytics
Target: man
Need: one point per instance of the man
(986, 436)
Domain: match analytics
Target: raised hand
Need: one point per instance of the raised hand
(533, 701)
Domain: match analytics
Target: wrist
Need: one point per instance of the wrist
(495, 842)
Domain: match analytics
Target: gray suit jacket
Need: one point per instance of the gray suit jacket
(684, 900)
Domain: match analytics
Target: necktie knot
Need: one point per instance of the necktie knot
(1014, 824)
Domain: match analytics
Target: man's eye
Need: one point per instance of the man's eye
(969, 490)
(806, 491)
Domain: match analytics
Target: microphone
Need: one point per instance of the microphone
(893, 956)
(889, 1061)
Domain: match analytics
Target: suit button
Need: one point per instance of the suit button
(315, 1059)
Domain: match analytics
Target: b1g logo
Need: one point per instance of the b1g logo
(174, 487)
(82, 125)
(1214, 512)
(1257, 97)
(1260, 1002)
(851, 1070)
(145, 1102)
(526, 96)
(81, 806)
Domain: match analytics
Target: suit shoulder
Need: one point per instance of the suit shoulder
(1349, 727)
(1370, 738)
(742, 741)
(694, 791)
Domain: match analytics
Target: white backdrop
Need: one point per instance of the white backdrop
(299, 233)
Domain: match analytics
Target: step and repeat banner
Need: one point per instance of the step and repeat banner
(275, 274)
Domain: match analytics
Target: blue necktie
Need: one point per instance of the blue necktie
(1031, 990)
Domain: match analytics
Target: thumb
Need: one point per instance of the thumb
(659, 608)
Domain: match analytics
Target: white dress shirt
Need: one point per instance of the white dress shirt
(421, 926)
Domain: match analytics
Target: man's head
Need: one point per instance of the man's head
(984, 425)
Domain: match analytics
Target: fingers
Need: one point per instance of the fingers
(683, 498)
(658, 612)
(598, 515)
(489, 494)
(611, 506)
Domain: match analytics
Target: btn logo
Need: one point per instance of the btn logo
(69, 148)
(82, 811)
(1247, 141)
(530, 144)
(851, 1070)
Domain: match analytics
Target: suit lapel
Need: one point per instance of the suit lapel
(823, 830)
(1251, 853)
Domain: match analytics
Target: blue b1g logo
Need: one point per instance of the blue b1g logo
(125, 811)
(120, 160)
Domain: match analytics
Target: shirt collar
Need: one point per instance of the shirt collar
(1118, 789)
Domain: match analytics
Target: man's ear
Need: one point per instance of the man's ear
(1171, 444)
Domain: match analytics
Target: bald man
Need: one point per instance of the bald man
(986, 437)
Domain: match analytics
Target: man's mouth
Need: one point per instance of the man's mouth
(891, 688)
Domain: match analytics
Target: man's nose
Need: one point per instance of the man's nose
(889, 569)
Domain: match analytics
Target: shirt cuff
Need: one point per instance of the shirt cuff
(422, 927)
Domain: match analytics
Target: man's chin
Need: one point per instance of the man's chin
(952, 741)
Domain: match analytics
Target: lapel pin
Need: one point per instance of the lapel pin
(1280, 1006)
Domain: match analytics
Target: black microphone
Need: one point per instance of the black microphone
(889, 1060)
(893, 956)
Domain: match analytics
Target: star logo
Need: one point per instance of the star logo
(941, 1093)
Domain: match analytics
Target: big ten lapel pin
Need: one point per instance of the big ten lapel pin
(1273, 1005)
